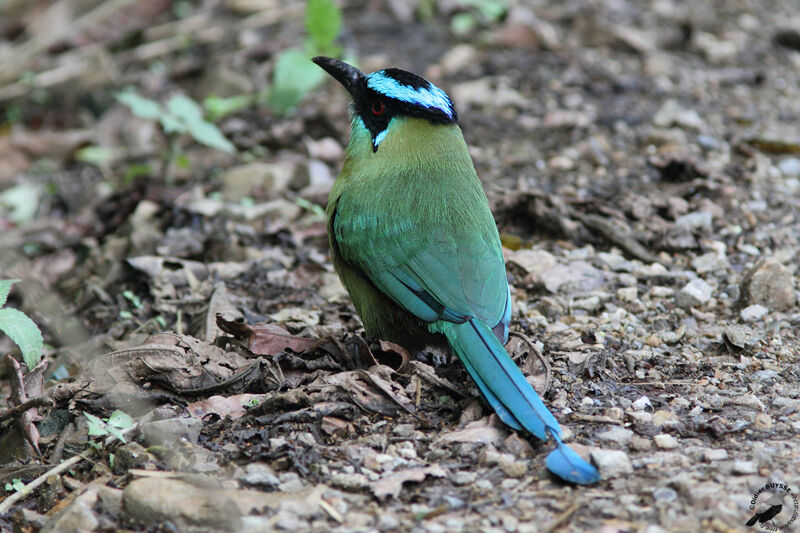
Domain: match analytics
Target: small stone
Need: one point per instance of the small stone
(243, 180)
(739, 336)
(697, 292)
(617, 434)
(665, 494)
(715, 454)
(662, 418)
(612, 463)
(351, 482)
(673, 114)
(388, 521)
(290, 483)
(533, 261)
(463, 478)
(326, 149)
(627, 294)
(578, 276)
(790, 167)
(641, 444)
(744, 467)
(515, 469)
(762, 422)
(653, 341)
(753, 313)
(641, 404)
(710, 262)
(517, 446)
(771, 284)
(587, 304)
(259, 474)
(666, 442)
(696, 220)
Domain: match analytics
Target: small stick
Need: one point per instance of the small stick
(14, 412)
(561, 519)
(6, 504)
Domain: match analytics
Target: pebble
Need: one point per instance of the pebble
(770, 284)
(753, 313)
(642, 403)
(739, 336)
(388, 521)
(612, 463)
(260, 474)
(618, 435)
(627, 294)
(665, 441)
(695, 293)
(715, 454)
(463, 477)
(696, 220)
(665, 494)
(744, 467)
(790, 167)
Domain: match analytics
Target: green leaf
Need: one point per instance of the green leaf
(20, 202)
(208, 134)
(120, 419)
(323, 22)
(219, 107)
(24, 332)
(172, 124)
(96, 426)
(95, 155)
(293, 77)
(5, 288)
(116, 433)
(139, 105)
(185, 109)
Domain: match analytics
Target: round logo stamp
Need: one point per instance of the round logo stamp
(774, 507)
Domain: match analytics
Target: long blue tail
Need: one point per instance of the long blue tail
(514, 400)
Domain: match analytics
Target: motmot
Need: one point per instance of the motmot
(415, 244)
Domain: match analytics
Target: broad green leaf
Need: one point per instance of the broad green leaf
(323, 22)
(5, 288)
(120, 419)
(95, 155)
(172, 124)
(293, 77)
(208, 134)
(139, 105)
(24, 332)
(185, 109)
(20, 202)
(217, 107)
(114, 432)
(96, 426)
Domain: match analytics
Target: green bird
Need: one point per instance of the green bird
(415, 244)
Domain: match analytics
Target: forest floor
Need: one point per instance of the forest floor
(642, 160)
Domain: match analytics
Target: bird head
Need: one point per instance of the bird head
(389, 93)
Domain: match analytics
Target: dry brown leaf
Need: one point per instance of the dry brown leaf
(391, 485)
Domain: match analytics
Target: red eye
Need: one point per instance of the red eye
(378, 108)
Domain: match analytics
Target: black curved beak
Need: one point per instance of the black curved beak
(347, 75)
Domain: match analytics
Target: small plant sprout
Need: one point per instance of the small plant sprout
(114, 426)
(20, 328)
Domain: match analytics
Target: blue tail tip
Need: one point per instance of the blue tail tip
(565, 463)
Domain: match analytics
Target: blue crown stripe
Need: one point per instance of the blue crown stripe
(431, 96)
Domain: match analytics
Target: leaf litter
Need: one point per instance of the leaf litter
(647, 211)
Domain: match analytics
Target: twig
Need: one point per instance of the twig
(615, 235)
(6, 504)
(547, 371)
(39, 401)
(563, 517)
